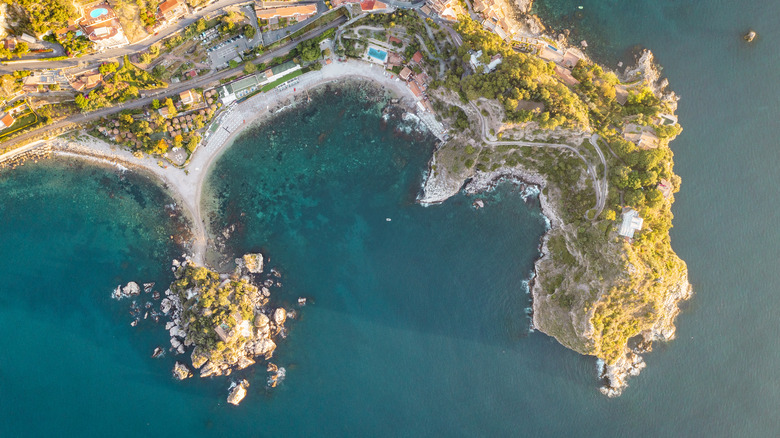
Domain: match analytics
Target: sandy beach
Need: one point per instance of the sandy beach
(186, 184)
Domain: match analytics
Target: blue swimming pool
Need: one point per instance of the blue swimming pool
(377, 54)
(98, 12)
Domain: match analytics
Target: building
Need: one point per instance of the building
(417, 57)
(10, 43)
(446, 9)
(6, 121)
(405, 73)
(102, 27)
(640, 136)
(86, 80)
(477, 64)
(665, 187)
(565, 75)
(631, 223)
(28, 39)
(170, 10)
(298, 13)
(365, 5)
(189, 97)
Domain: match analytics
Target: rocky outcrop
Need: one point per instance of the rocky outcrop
(750, 36)
(237, 392)
(180, 371)
(253, 263)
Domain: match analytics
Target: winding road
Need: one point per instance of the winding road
(599, 184)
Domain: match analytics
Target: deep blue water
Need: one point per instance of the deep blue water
(415, 327)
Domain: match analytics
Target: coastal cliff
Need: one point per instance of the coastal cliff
(595, 290)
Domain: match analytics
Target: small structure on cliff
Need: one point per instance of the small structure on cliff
(631, 223)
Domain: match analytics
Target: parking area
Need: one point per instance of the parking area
(221, 54)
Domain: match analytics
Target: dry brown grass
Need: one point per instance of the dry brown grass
(127, 12)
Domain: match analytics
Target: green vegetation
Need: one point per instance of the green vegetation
(45, 15)
(519, 77)
(281, 80)
(121, 84)
(217, 304)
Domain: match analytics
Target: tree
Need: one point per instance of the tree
(160, 147)
(249, 31)
(233, 63)
(171, 107)
(21, 48)
(54, 87)
(146, 58)
(107, 68)
(250, 67)
(177, 141)
(154, 49)
(81, 102)
(193, 143)
(309, 50)
(156, 103)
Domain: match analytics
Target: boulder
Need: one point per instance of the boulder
(280, 315)
(265, 347)
(131, 289)
(237, 392)
(254, 263)
(210, 370)
(261, 320)
(244, 362)
(198, 358)
(180, 371)
(750, 36)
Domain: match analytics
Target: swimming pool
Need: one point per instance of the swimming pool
(98, 12)
(377, 54)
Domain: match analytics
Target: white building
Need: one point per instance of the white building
(631, 223)
(477, 65)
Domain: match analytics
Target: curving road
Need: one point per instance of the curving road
(10, 67)
(599, 184)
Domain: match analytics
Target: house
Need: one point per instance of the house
(365, 5)
(570, 59)
(394, 40)
(86, 80)
(170, 10)
(102, 27)
(477, 65)
(415, 90)
(446, 9)
(621, 94)
(640, 136)
(405, 73)
(665, 187)
(224, 332)
(299, 13)
(417, 57)
(10, 43)
(27, 39)
(189, 98)
(6, 121)
(631, 223)
(566, 76)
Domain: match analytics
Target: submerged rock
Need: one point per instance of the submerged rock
(180, 371)
(237, 392)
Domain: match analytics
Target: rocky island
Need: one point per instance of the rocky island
(225, 320)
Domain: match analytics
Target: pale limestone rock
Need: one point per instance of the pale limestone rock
(237, 393)
(180, 371)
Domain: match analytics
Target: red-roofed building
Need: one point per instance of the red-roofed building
(170, 10)
(6, 121)
(417, 57)
(415, 89)
(393, 39)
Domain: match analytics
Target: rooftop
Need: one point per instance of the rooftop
(631, 223)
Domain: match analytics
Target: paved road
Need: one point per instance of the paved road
(127, 50)
(599, 185)
(173, 89)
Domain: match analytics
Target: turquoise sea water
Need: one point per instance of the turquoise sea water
(415, 327)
